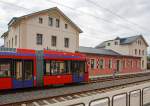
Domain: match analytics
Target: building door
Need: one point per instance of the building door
(78, 68)
(23, 74)
(118, 66)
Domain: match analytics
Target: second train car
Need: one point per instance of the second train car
(23, 68)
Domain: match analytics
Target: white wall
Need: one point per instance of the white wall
(30, 27)
(129, 49)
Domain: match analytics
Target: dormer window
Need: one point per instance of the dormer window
(139, 52)
(135, 51)
(57, 23)
(40, 20)
(66, 26)
(116, 43)
(108, 44)
(50, 21)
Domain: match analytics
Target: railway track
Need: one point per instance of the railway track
(28, 98)
(51, 101)
(118, 77)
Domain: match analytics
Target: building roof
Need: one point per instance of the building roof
(97, 51)
(101, 45)
(4, 34)
(18, 19)
(123, 41)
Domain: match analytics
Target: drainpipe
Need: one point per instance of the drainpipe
(19, 35)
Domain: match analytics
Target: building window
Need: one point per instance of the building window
(123, 64)
(9, 43)
(135, 51)
(16, 40)
(143, 52)
(140, 42)
(142, 63)
(5, 69)
(131, 62)
(66, 26)
(66, 42)
(39, 39)
(108, 44)
(139, 52)
(110, 64)
(57, 23)
(101, 64)
(116, 43)
(40, 20)
(127, 63)
(92, 63)
(54, 40)
(136, 64)
(50, 21)
(12, 42)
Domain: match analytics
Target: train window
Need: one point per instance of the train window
(18, 70)
(68, 66)
(5, 69)
(57, 67)
(48, 68)
(28, 67)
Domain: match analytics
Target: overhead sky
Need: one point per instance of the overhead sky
(100, 20)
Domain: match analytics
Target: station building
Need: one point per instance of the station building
(46, 29)
(131, 46)
(104, 62)
(52, 29)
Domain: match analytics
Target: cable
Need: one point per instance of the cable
(30, 10)
(11, 4)
(81, 12)
(110, 11)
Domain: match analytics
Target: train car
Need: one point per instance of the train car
(17, 68)
(23, 68)
(64, 67)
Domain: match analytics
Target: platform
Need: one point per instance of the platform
(51, 93)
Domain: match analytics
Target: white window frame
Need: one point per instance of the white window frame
(39, 39)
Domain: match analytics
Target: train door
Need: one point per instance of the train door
(78, 69)
(23, 74)
(28, 74)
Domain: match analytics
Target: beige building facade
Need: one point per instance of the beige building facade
(47, 29)
(132, 46)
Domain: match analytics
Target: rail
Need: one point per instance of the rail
(29, 97)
